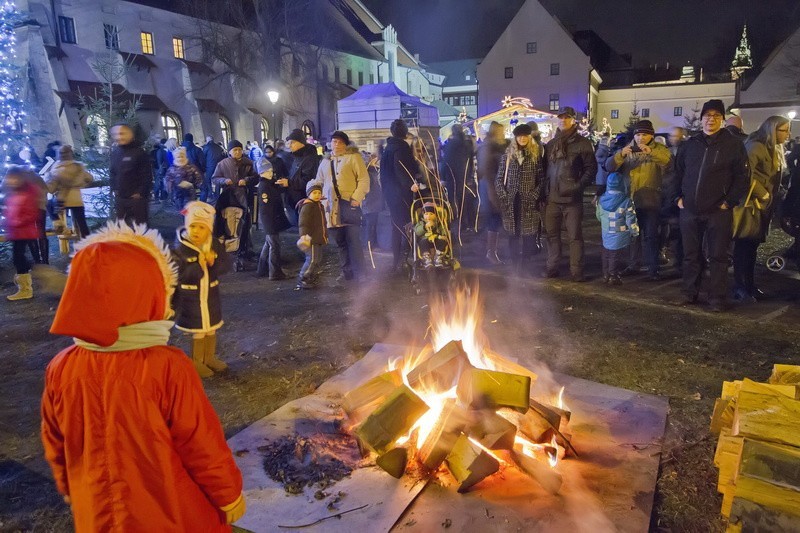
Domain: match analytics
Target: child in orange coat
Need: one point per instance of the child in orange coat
(129, 433)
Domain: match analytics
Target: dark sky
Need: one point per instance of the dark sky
(704, 32)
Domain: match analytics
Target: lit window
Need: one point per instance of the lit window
(172, 126)
(555, 69)
(147, 43)
(645, 112)
(111, 34)
(66, 29)
(509, 72)
(264, 130)
(555, 102)
(531, 48)
(677, 111)
(225, 128)
(615, 113)
(177, 48)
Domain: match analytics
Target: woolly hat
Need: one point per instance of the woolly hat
(644, 126)
(119, 276)
(297, 135)
(340, 135)
(234, 144)
(313, 186)
(199, 213)
(713, 105)
(263, 165)
(65, 153)
(522, 129)
(567, 112)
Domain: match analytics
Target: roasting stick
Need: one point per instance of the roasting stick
(337, 515)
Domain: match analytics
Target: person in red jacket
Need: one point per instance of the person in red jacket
(131, 438)
(22, 225)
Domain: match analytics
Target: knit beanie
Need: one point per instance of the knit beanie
(297, 135)
(263, 165)
(644, 126)
(313, 186)
(234, 144)
(713, 105)
(199, 213)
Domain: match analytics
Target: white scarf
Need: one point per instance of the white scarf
(134, 337)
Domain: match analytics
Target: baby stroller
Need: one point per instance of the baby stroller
(230, 222)
(789, 216)
(431, 247)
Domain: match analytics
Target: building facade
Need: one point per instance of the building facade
(70, 46)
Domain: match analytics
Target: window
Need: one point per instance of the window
(360, 79)
(555, 69)
(264, 130)
(172, 126)
(225, 128)
(337, 76)
(66, 29)
(530, 48)
(677, 111)
(555, 102)
(509, 72)
(467, 100)
(615, 113)
(112, 36)
(467, 77)
(308, 128)
(325, 72)
(177, 48)
(147, 43)
(349, 77)
(645, 112)
(295, 67)
(371, 79)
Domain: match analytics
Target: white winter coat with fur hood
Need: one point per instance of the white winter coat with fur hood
(65, 179)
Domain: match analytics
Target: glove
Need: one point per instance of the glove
(235, 510)
(304, 243)
(186, 185)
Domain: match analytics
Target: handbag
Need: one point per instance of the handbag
(349, 215)
(747, 219)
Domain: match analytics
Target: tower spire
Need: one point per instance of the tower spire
(742, 60)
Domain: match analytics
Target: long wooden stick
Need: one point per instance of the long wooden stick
(337, 515)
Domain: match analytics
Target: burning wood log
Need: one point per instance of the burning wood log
(374, 390)
(536, 424)
(439, 372)
(492, 431)
(443, 436)
(469, 464)
(480, 389)
(391, 420)
(394, 461)
(542, 473)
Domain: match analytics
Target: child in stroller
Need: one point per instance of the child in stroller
(230, 222)
(432, 238)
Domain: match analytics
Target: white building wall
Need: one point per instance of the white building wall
(660, 101)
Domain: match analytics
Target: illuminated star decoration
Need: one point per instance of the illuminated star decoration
(509, 101)
(462, 117)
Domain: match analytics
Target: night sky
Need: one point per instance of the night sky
(704, 32)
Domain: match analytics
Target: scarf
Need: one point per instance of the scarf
(560, 143)
(134, 337)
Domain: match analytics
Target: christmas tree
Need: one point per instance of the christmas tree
(13, 131)
(692, 122)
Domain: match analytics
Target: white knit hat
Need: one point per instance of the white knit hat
(199, 213)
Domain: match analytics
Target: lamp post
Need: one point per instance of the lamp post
(273, 96)
(791, 114)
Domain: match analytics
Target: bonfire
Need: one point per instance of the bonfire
(456, 405)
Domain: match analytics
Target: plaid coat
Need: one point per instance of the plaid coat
(527, 180)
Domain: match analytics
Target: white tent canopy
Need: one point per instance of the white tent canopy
(376, 106)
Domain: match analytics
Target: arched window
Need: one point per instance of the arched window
(98, 130)
(308, 128)
(227, 132)
(264, 130)
(172, 126)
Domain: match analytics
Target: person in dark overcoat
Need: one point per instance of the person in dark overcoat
(273, 219)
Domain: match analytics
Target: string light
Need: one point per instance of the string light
(13, 131)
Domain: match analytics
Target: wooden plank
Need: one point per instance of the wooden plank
(790, 391)
(443, 436)
(492, 430)
(768, 494)
(727, 460)
(481, 389)
(785, 374)
(724, 409)
(747, 517)
(375, 389)
(391, 420)
(774, 463)
(768, 417)
(440, 372)
(469, 464)
(730, 389)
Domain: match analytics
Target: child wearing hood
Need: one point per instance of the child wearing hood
(65, 179)
(313, 234)
(21, 223)
(617, 216)
(201, 259)
(182, 178)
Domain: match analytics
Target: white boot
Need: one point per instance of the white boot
(24, 288)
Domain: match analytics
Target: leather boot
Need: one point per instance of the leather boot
(210, 359)
(198, 354)
(491, 248)
(24, 288)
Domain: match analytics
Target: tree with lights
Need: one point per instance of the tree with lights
(13, 130)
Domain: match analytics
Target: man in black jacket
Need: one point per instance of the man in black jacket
(570, 168)
(131, 176)
(212, 154)
(304, 168)
(399, 183)
(711, 177)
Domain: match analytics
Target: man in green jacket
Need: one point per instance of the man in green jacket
(643, 162)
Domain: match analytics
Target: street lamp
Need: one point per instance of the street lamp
(791, 114)
(273, 96)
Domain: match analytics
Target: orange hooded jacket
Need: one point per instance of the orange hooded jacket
(130, 435)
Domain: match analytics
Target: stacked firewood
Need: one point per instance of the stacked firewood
(487, 418)
(758, 453)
